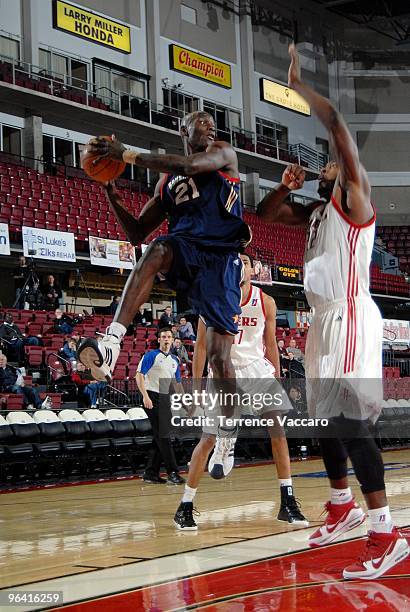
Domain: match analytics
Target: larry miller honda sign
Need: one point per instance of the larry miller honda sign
(48, 244)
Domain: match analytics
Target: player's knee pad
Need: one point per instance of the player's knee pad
(367, 463)
(334, 457)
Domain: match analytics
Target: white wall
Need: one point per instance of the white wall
(10, 19)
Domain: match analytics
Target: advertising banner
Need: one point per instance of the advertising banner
(48, 244)
(396, 332)
(261, 273)
(111, 253)
(4, 239)
(289, 274)
(91, 26)
(278, 94)
(200, 66)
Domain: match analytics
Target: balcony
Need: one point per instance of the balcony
(254, 151)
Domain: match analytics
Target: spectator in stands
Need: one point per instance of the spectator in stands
(297, 401)
(143, 317)
(297, 353)
(63, 324)
(93, 389)
(293, 368)
(20, 278)
(180, 351)
(175, 331)
(14, 339)
(114, 304)
(186, 331)
(51, 294)
(69, 350)
(167, 319)
(281, 348)
(12, 381)
(155, 370)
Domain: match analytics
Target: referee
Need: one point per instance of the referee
(154, 367)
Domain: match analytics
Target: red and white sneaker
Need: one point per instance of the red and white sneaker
(382, 552)
(340, 519)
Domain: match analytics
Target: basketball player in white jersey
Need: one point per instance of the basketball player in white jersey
(343, 354)
(255, 356)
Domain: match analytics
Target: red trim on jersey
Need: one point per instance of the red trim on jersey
(248, 298)
(352, 292)
(262, 302)
(164, 180)
(233, 179)
(348, 220)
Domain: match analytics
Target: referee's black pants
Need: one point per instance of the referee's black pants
(161, 448)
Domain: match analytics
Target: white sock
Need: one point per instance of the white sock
(189, 494)
(117, 329)
(341, 496)
(285, 482)
(380, 519)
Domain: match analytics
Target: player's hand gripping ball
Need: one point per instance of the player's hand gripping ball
(101, 159)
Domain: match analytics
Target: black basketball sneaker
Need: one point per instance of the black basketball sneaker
(184, 519)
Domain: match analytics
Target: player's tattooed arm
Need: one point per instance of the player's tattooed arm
(137, 229)
(276, 208)
(269, 334)
(353, 177)
(218, 156)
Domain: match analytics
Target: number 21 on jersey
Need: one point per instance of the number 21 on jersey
(187, 190)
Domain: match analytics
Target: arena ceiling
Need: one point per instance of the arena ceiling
(388, 17)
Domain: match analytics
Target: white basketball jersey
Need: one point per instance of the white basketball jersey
(248, 343)
(337, 256)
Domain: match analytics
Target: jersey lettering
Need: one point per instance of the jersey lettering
(182, 191)
(248, 321)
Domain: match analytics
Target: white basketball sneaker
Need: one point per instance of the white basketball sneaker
(222, 459)
(100, 356)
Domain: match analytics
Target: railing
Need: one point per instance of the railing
(76, 90)
(308, 157)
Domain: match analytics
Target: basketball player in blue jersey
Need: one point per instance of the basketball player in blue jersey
(199, 196)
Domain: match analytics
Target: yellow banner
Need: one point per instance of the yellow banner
(91, 26)
(200, 66)
(283, 96)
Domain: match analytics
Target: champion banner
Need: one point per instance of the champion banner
(48, 244)
(4, 239)
(111, 253)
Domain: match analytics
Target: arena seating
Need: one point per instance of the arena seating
(57, 202)
(397, 242)
(55, 445)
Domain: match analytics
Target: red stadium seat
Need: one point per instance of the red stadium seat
(34, 355)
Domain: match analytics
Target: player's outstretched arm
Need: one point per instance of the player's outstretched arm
(218, 156)
(275, 209)
(269, 334)
(353, 177)
(137, 229)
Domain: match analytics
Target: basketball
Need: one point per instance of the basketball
(103, 171)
